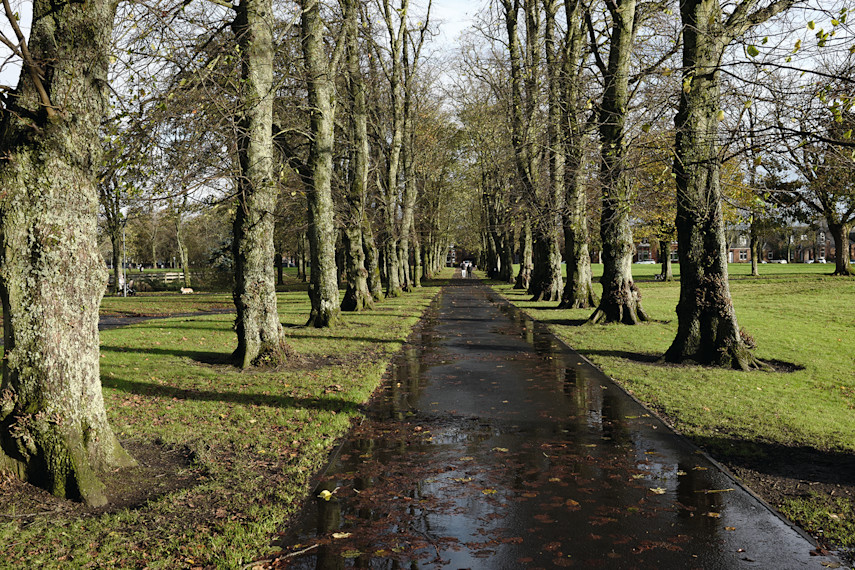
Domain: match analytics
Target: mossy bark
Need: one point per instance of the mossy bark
(840, 233)
(526, 257)
(390, 184)
(323, 284)
(707, 331)
(357, 296)
(546, 283)
(667, 273)
(578, 290)
(259, 332)
(179, 238)
(621, 300)
(53, 426)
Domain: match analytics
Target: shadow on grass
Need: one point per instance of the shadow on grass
(801, 465)
(170, 392)
(646, 358)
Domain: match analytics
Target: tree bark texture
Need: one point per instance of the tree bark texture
(179, 238)
(707, 331)
(546, 282)
(621, 300)
(755, 247)
(526, 257)
(840, 233)
(259, 332)
(357, 295)
(323, 284)
(390, 184)
(372, 260)
(578, 290)
(667, 273)
(53, 427)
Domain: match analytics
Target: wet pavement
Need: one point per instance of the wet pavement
(495, 447)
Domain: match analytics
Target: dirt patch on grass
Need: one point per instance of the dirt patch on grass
(161, 470)
(779, 475)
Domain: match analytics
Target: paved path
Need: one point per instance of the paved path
(496, 448)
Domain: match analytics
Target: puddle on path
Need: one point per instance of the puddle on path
(493, 447)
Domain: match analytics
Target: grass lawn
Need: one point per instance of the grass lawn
(797, 314)
(252, 440)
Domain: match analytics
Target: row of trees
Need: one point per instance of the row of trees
(310, 114)
(325, 118)
(672, 127)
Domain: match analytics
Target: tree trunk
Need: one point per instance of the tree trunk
(154, 239)
(755, 247)
(302, 262)
(526, 257)
(323, 285)
(179, 238)
(417, 261)
(393, 163)
(840, 233)
(116, 258)
(372, 261)
(578, 290)
(277, 261)
(667, 273)
(546, 283)
(357, 295)
(53, 427)
(621, 300)
(259, 333)
(707, 331)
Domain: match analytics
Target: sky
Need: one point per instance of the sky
(454, 17)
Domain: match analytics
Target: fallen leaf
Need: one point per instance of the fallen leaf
(500, 449)
(338, 535)
(657, 490)
(489, 491)
(730, 528)
(713, 515)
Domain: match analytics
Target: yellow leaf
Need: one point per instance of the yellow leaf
(325, 495)
(489, 491)
(657, 490)
(338, 535)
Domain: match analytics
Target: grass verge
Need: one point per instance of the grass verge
(790, 435)
(251, 441)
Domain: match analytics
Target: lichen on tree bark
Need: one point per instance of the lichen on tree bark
(259, 332)
(53, 426)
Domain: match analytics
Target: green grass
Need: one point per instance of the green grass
(156, 304)
(796, 314)
(256, 437)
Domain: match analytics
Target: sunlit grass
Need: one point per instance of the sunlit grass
(256, 437)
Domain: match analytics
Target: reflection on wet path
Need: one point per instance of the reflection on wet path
(494, 447)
